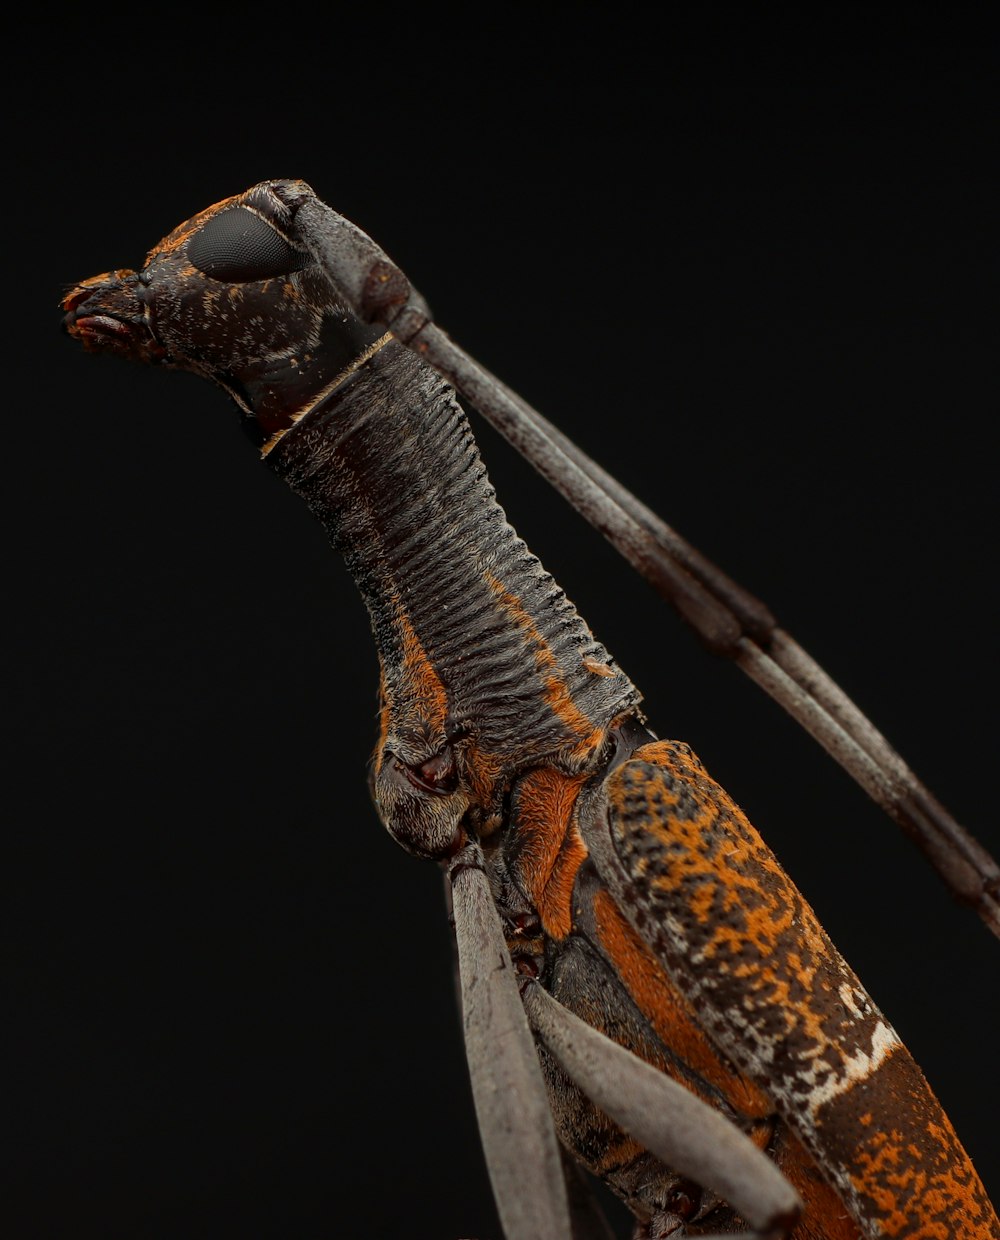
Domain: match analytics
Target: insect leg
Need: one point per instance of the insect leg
(587, 1218)
(522, 1151)
(670, 1121)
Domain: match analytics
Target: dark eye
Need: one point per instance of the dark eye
(237, 246)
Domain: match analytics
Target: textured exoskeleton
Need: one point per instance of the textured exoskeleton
(599, 874)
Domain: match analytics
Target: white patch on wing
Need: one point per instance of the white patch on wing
(855, 1000)
(857, 1067)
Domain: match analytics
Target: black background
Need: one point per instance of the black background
(751, 268)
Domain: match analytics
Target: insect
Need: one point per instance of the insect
(621, 927)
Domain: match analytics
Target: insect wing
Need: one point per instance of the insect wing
(742, 945)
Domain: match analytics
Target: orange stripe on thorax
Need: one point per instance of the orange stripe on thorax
(423, 685)
(550, 850)
(557, 694)
(413, 697)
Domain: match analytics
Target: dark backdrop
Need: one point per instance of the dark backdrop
(752, 270)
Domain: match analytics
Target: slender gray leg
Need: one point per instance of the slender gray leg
(515, 1123)
(681, 1130)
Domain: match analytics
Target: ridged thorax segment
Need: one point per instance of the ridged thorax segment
(477, 642)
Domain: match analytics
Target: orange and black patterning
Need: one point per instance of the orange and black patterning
(772, 992)
(629, 884)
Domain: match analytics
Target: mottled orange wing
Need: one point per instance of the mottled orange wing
(776, 997)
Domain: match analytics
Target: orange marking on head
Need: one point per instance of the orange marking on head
(79, 292)
(177, 236)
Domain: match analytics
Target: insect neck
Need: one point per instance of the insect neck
(473, 636)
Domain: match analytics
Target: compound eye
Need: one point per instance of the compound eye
(237, 246)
